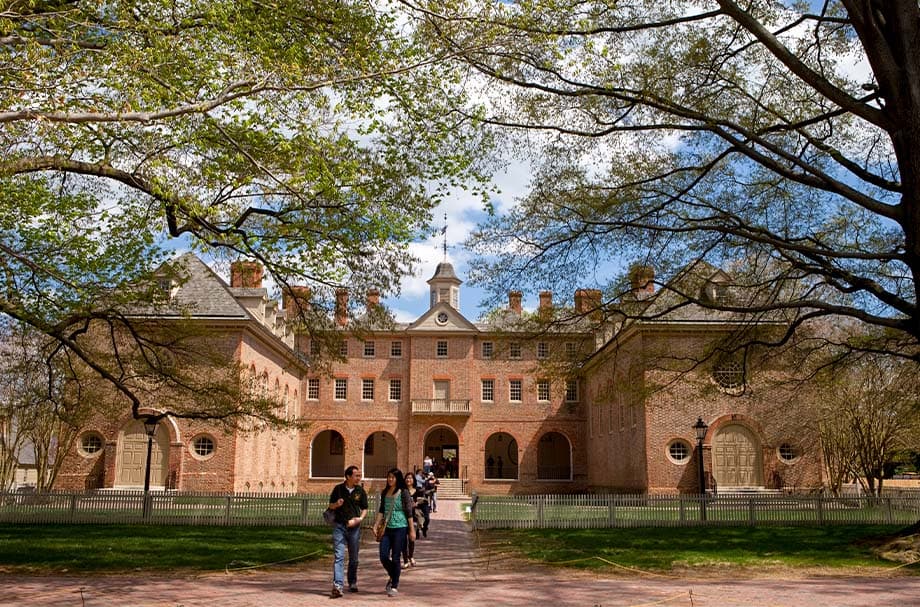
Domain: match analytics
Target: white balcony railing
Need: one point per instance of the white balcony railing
(440, 406)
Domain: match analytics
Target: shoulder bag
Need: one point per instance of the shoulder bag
(382, 528)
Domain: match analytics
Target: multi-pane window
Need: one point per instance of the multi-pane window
(679, 451)
(313, 388)
(395, 390)
(514, 390)
(341, 389)
(542, 390)
(514, 349)
(343, 348)
(542, 349)
(203, 446)
(442, 349)
(570, 349)
(395, 349)
(369, 349)
(487, 348)
(314, 347)
(367, 389)
(571, 391)
(488, 390)
(92, 443)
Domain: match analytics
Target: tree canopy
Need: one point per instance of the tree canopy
(285, 132)
(780, 141)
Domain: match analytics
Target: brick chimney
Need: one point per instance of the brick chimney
(341, 307)
(587, 300)
(373, 300)
(246, 274)
(514, 301)
(546, 304)
(641, 280)
(295, 300)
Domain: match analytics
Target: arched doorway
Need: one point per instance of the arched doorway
(327, 455)
(443, 447)
(736, 458)
(131, 456)
(379, 455)
(554, 458)
(501, 457)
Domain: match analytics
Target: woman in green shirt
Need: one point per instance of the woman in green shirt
(394, 513)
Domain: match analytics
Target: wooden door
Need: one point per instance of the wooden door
(131, 458)
(736, 458)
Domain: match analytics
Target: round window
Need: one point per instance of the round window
(91, 443)
(679, 452)
(203, 446)
(729, 375)
(442, 318)
(787, 452)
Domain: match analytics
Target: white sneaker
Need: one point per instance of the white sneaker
(392, 591)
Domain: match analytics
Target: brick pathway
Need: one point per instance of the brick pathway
(451, 573)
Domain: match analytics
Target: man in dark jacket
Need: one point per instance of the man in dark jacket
(349, 500)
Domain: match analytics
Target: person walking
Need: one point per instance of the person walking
(393, 522)
(349, 501)
(422, 514)
(431, 490)
(408, 551)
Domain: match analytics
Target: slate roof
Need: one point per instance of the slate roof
(202, 293)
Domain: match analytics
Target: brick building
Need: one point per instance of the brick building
(512, 404)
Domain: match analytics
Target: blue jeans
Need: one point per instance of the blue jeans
(343, 536)
(391, 547)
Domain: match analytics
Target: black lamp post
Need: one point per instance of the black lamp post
(700, 427)
(150, 427)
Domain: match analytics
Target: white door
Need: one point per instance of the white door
(441, 390)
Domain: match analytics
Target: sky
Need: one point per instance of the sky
(464, 212)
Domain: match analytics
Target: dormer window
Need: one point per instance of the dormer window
(716, 289)
(166, 287)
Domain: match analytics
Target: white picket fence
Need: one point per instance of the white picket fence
(599, 511)
(166, 508)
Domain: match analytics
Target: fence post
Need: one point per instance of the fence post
(888, 516)
(229, 499)
(682, 516)
(541, 503)
(73, 507)
(820, 510)
(305, 511)
(611, 510)
(752, 517)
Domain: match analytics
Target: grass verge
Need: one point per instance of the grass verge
(123, 548)
(670, 549)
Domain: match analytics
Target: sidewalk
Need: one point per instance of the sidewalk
(451, 572)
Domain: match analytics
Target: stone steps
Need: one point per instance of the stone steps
(450, 488)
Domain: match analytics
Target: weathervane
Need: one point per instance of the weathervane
(444, 234)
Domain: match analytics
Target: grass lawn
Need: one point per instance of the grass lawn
(121, 548)
(667, 549)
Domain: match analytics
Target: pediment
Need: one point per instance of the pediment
(442, 317)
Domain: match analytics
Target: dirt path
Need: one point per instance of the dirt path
(451, 572)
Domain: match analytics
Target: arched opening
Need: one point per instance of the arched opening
(501, 457)
(443, 447)
(736, 458)
(554, 458)
(131, 456)
(327, 455)
(379, 455)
